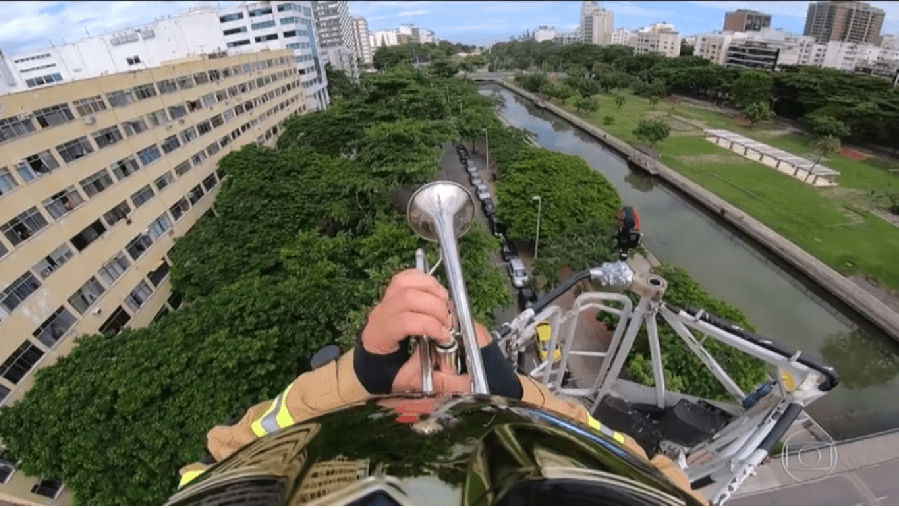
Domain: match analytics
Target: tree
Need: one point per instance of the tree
(752, 87)
(757, 112)
(339, 85)
(686, 50)
(653, 101)
(586, 243)
(570, 192)
(443, 68)
(586, 104)
(824, 125)
(619, 100)
(652, 131)
(824, 145)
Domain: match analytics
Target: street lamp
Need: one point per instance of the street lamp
(487, 141)
(539, 201)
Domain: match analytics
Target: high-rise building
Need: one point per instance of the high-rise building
(743, 20)
(258, 26)
(596, 24)
(622, 36)
(335, 32)
(99, 176)
(363, 43)
(380, 38)
(656, 38)
(844, 22)
(410, 30)
(544, 33)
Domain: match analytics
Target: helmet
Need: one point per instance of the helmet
(424, 450)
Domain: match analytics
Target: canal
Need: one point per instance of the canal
(780, 302)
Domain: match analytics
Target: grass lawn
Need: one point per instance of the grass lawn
(832, 224)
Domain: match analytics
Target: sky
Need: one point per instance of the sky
(29, 26)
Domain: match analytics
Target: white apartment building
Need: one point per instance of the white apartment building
(596, 24)
(335, 34)
(622, 37)
(544, 33)
(428, 36)
(410, 30)
(564, 38)
(380, 38)
(363, 38)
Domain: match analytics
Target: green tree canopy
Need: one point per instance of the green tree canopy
(757, 112)
(752, 87)
(652, 131)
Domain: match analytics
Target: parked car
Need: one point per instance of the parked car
(487, 206)
(508, 251)
(482, 187)
(482, 195)
(476, 179)
(517, 272)
(497, 229)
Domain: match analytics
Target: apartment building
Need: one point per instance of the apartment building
(335, 32)
(623, 37)
(257, 26)
(656, 38)
(380, 38)
(361, 35)
(855, 22)
(97, 179)
(596, 24)
(743, 20)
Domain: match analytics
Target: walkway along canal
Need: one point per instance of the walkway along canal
(782, 303)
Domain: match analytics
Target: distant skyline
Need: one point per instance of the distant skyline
(30, 26)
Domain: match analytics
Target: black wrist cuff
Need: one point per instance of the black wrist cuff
(377, 372)
(501, 379)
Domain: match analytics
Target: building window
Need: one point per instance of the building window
(230, 17)
(96, 183)
(213, 148)
(170, 144)
(262, 25)
(215, 75)
(198, 158)
(55, 327)
(216, 120)
(260, 12)
(144, 91)
(117, 213)
(201, 77)
(88, 235)
(163, 181)
(210, 181)
(125, 167)
(22, 360)
(208, 100)
(193, 105)
(177, 111)
(24, 226)
(179, 209)
(195, 195)
(133, 60)
(142, 196)
(7, 182)
(53, 115)
(189, 134)
(148, 155)
(120, 98)
(159, 226)
(182, 168)
(7, 462)
(269, 37)
(63, 202)
(107, 136)
(225, 140)
(221, 95)
(139, 296)
(232, 31)
(44, 80)
(158, 275)
(185, 82)
(89, 293)
(111, 271)
(138, 245)
(75, 149)
(204, 127)
(53, 261)
(228, 115)
(166, 86)
(14, 127)
(89, 105)
(117, 320)
(157, 117)
(133, 127)
(19, 290)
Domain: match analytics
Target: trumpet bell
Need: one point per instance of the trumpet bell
(439, 201)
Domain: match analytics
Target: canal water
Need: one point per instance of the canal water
(780, 302)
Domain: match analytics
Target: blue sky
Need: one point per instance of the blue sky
(28, 26)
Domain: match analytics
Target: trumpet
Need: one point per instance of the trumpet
(440, 212)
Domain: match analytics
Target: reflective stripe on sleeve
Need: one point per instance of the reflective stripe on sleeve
(594, 424)
(189, 477)
(275, 418)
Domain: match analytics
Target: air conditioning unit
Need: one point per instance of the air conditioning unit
(24, 116)
(90, 119)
